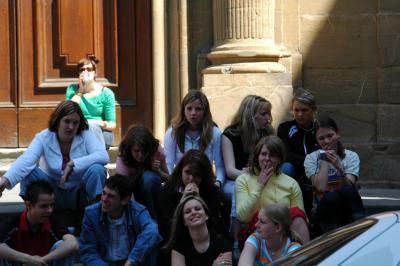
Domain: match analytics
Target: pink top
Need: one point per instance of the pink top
(123, 169)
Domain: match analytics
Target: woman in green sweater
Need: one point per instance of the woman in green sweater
(96, 101)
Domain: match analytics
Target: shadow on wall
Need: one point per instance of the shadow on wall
(351, 61)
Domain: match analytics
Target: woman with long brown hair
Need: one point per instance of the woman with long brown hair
(142, 159)
(192, 175)
(192, 240)
(194, 128)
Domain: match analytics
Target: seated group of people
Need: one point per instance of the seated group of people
(257, 205)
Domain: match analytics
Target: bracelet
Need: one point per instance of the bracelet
(79, 94)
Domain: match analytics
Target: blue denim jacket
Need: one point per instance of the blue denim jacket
(142, 230)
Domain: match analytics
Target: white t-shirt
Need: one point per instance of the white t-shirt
(350, 163)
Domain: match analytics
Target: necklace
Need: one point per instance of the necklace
(278, 250)
(309, 129)
(203, 246)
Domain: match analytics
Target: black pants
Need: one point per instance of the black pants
(338, 208)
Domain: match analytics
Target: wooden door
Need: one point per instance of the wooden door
(42, 42)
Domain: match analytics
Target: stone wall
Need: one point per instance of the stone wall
(348, 54)
(351, 52)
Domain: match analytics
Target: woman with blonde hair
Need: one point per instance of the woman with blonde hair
(273, 237)
(250, 123)
(299, 138)
(194, 128)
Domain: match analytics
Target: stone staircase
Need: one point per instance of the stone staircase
(375, 199)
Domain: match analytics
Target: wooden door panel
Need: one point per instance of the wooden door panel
(136, 88)
(8, 78)
(54, 36)
(60, 33)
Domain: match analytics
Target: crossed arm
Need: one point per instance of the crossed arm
(68, 247)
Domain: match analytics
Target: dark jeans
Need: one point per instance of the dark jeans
(147, 191)
(304, 183)
(338, 208)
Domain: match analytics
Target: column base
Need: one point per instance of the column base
(225, 91)
(252, 67)
(223, 55)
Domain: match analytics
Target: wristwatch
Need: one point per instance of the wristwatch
(71, 164)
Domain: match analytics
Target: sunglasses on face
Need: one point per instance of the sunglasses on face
(89, 69)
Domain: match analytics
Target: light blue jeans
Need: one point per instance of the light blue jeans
(68, 261)
(106, 137)
(92, 182)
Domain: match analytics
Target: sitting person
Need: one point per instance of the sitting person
(97, 102)
(333, 171)
(67, 154)
(118, 230)
(36, 237)
(192, 240)
(142, 159)
(267, 185)
(192, 175)
(251, 122)
(272, 239)
(299, 138)
(194, 128)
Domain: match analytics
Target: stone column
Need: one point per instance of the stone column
(245, 59)
(159, 94)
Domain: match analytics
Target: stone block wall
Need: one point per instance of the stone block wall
(350, 52)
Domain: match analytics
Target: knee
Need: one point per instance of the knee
(150, 179)
(299, 225)
(96, 169)
(349, 191)
(57, 245)
(331, 199)
(288, 169)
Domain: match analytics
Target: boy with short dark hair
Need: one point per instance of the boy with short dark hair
(35, 237)
(118, 231)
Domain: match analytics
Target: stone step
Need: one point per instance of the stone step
(375, 200)
(8, 156)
